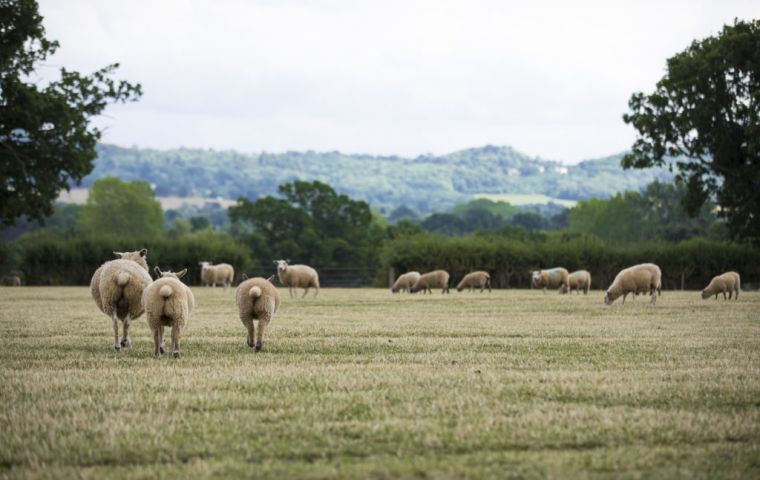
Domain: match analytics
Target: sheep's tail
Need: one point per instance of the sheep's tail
(166, 291)
(122, 278)
(254, 292)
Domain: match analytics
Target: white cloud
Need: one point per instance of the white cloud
(387, 77)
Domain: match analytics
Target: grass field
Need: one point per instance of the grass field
(363, 384)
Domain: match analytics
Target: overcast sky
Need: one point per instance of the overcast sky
(550, 78)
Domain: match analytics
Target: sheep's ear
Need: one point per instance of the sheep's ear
(287, 261)
(158, 271)
(143, 252)
(275, 262)
(119, 254)
(270, 279)
(181, 273)
(244, 276)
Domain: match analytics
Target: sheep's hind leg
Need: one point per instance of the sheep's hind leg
(126, 342)
(305, 292)
(653, 293)
(249, 337)
(161, 339)
(724, 295)
(157, 342)
(263, 322)
(175, 339)
(116, 344)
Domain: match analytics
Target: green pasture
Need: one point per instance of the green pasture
(366, 384)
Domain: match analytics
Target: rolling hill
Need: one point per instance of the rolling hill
(426, 183)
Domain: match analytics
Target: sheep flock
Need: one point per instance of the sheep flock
(123, 290)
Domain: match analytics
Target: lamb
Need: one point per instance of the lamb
(117, 287)
(297, 276)
(578, 280)
(728, 282)
(645, 277)
(168, 303)
(552, 278)
(404, 282)
(257, 299)
(11, 281)
(221, 273)
(430, 280)
(478, 279)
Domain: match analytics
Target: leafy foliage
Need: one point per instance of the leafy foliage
(45, 139)
(311, 224)
(128, 210)
(655, 214)
(706, 110)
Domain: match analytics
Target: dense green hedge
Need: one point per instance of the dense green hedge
(510, 261)
(51, 261)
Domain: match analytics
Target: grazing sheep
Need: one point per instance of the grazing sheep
(221, 273)
(645, 277)
(552, 278)
(430, 280)
(11, 281)
(117, 288)
(257, 299)
(404, 282)
(297, 276)
(578, 280)
(168, 303)
(479, 279)
(727, 282)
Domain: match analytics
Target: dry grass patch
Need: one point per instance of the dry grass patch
(362, 383)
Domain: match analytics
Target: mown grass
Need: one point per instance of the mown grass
(361, 383)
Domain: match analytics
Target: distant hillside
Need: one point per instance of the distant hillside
(427, 183)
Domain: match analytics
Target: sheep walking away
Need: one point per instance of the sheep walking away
(117, 287)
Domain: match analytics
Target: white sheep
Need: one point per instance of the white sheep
(405, 281)
(168, 303)
(727, 282)
(578, 280)
(221, 273)
(257, 299)
(430, 280)
(478, 279)
(642, 278)
(551, 278)
(297, 276)
(117, 288)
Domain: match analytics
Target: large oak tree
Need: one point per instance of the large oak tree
(705, 112)
(46, 141)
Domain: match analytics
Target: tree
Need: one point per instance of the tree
(45, 138)
(705, 112)
(120, 208)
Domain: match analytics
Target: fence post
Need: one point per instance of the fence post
(391, 277)
(682, 281)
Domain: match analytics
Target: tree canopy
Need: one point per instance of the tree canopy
(706, 112)
(46, 141)
(119, 208)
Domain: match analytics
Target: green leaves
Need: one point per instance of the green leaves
(707, 109)
(46, 142)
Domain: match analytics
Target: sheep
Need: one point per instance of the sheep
(11, 281)
(297, 276)
(645, 277)
(430, 280)
(221, 273)
(117, 287)
(168, 303)
(404, 282)
(552, 278)
(257, 299)
(478, 279)
(578, 280)
(728, 282)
